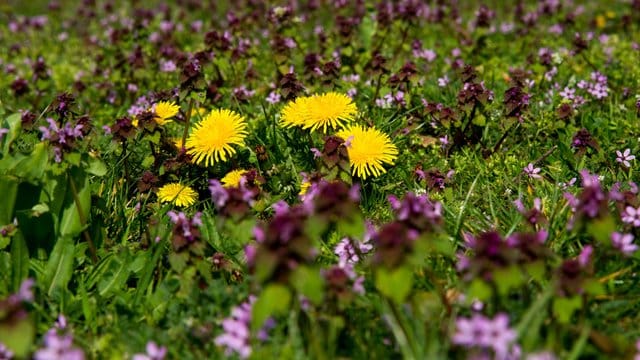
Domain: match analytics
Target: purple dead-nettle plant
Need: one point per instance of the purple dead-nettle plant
(153, 352)
(623, 243)
(534, 215)
(591, 203)
(485, 334)
(5, 352)
(631, 216)
(350, 251)
(532, 171)
(236, 337)
(58, 344)
(61, 138)
(624, 157)
(185, 231)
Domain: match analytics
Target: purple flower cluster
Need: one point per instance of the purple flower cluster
(350, 251)
(185, 231)
(237, 330)
(591, 202)
(490, 252)
(625, 157)
(154, 352)
(236, 201)
(624, 243)
(58, 344)
(483, 333)
(418, 212)
(5, 352)
(62, 139)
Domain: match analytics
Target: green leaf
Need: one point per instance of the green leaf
(9, 191)
(479, 290)
(39, 209)
(60, 265)
(115, 278)
(309, 283)
(395, 284)
(70, 223)
(19, 259)
(32, 167)
(14, 123)
(18, 336)
(508, 278)
(563, 308)
(594, 287)
(536, 270)
(274, 300)
(97, 167)
(601, 229)
(178, 261)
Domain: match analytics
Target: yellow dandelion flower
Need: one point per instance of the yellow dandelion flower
(294, 113)
(211, 139)
(177, 142)
(331, 110)
(165, 111)
(181, 195)
(368, 149)
(232, 179)
(198, 112)
(304, 187)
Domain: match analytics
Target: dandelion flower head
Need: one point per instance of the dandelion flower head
(330, 110)
(181, 195)
(368, 149)
(165, 110)
(294, 113)
(212, 139)
(232, 179)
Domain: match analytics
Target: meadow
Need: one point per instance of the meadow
(319, 179)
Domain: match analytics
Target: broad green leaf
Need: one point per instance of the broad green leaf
(19, 259)
(309, 283)
(9, 191)
(601, 229)
(273, 300)
(18, 336)
(14, 123)
(507, 279)
(32, 167)
(178, 261)
(97, 167)
(116, 277)
(478, 289)
(60, 265)
(70, 223)
(394, 283)
(563, 308)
